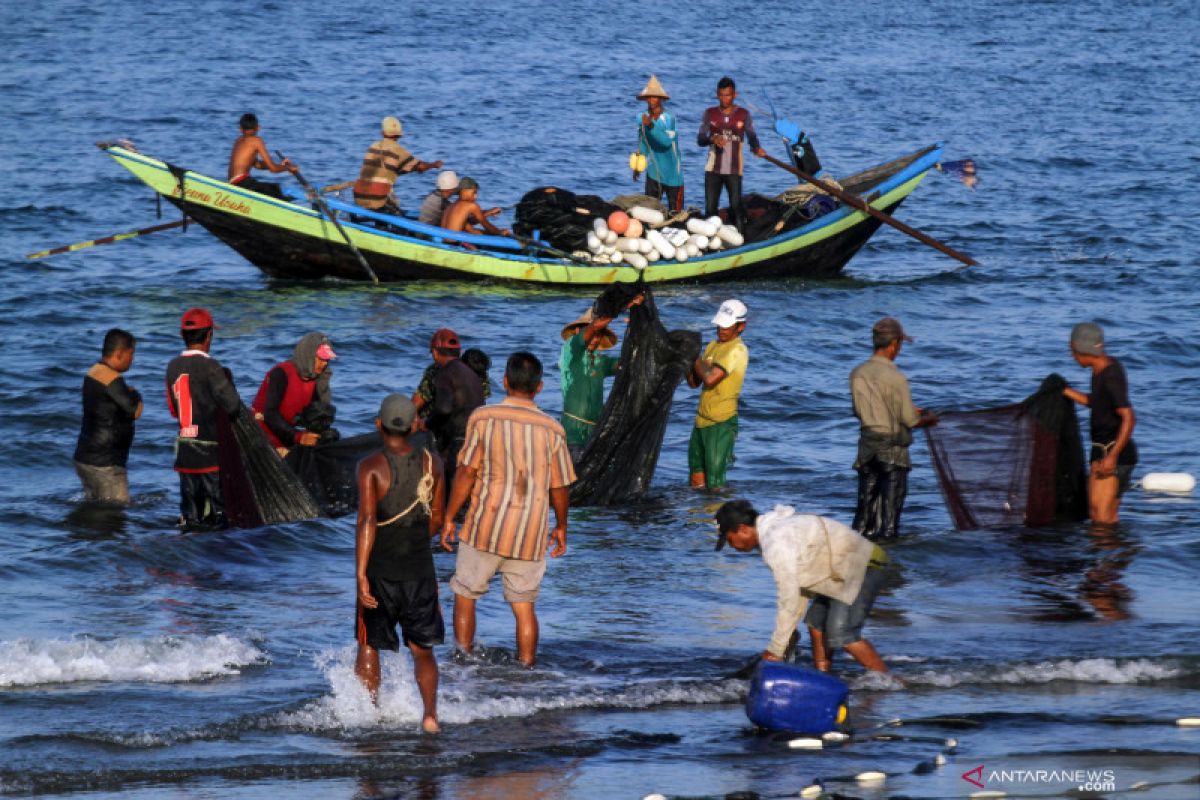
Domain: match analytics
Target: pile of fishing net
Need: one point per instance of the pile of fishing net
(618, 463)
(1019, 464)
(257, 487)
(561, 218)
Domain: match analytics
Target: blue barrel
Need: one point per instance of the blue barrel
(787, 697)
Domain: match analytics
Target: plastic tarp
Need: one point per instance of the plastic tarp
(618, 463)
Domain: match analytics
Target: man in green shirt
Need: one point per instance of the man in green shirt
(719, 373)
(583, 371)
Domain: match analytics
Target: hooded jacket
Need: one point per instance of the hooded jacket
(289, 388)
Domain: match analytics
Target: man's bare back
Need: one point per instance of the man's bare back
(249, 152)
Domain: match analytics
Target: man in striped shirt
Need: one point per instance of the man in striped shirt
(385, 161)
(514, 465)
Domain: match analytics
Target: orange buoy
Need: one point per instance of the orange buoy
(618, 222)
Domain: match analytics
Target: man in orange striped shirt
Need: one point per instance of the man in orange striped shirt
(513, 465)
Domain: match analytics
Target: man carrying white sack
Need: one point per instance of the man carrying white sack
(813, 559)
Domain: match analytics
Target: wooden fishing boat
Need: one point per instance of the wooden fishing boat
(292, 240)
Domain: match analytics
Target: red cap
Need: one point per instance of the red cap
(196, 319)
(445, 338)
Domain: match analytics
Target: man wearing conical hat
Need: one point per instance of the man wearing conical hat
(583, 370)
(657, 142)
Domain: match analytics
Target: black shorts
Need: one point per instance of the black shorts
(411, 604)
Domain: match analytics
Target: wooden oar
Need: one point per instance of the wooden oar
(862, 205)
(324, 209)
(116, 237)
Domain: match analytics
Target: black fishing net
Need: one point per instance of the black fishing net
(560, 217)
(618, 463)
(767, 218)
(257, 488)
(1020, 464)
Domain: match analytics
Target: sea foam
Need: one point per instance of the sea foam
(160, 659)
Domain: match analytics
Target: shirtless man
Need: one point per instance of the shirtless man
(249, 153)
(466, 213)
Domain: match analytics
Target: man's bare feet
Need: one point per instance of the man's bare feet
(430, 725)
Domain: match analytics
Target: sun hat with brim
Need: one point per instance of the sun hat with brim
(653, 89)
(607, 338)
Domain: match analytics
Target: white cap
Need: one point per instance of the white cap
(447, 179)
(730, 313)
(391, 127)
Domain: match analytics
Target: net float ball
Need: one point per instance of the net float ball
(618, 222)
(634, 230)
(639, 162)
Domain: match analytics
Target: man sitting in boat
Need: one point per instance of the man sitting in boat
(291, 389)
(384, 162)
(466, 215)
(249, 152)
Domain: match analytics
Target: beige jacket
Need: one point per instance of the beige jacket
(809, 555)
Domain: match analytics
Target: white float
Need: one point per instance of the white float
(731, 236)
(661, 245)
(871, 777)
(806, 744)
(647, 215)
(600, 227)
(610, 237)
(1175, 482)
(636, 260)
(681, 254)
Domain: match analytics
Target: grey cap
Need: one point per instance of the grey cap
(889, 330)
(1087, 338)
(396, 413)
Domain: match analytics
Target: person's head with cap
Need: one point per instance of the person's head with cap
(196, 327)
(730, 320)
(736, 525)
(602, 339)
(312, 355)
(445, 345)
(396, 415)
(468, 189)
(654, 94)
(391, 127)
(1087, 342)
(447, 182)
(888, 335)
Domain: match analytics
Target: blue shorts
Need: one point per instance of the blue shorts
(842, 624)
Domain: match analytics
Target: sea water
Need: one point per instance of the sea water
(141, 662)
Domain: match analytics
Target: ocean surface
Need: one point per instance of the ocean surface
(139, 662)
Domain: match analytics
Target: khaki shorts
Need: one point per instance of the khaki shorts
(474, 569)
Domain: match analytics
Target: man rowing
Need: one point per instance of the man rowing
(249, 152)
(385, 161)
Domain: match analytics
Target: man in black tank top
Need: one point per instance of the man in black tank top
(400, 501)
(1113, 452)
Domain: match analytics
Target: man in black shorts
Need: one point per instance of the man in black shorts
(1113, 453)
(399, 508)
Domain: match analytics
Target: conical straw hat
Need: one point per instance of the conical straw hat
(653, 89)
(607, 337)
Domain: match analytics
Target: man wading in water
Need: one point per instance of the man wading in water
(402, 486)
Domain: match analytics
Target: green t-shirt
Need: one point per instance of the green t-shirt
(583, 373)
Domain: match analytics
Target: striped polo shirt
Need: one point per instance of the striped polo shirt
(384, 162)
(519, 455)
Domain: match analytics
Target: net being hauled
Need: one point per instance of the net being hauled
(1019, 464)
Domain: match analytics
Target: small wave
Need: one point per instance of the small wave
(460, 699)
(1088, 670)
(162, 659)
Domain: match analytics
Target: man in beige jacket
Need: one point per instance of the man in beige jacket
(813, 559)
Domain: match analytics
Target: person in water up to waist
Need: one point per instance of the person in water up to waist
(385, 161)
(1113, 453)
(887, 416)
(106, 431)
(456, 392)
(722, 130)
(400, 498)
(719, 372)
(294, 391)
(583, 371)
(249, 152)
(657, 141)
(812, 558)
(198, 389)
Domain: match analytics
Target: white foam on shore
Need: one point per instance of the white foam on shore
(160, 659)
(463, 696)
(1087, 670)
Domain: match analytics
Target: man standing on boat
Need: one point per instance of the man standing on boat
(722, 131)
(399, 510)
(887, 416)
(515, 467)
(384, 162)
(198, 389)
(657, 142)
(1113, 452)
(249, 152)
(719, 373)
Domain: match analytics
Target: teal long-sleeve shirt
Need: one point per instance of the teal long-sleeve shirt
(657, 142)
